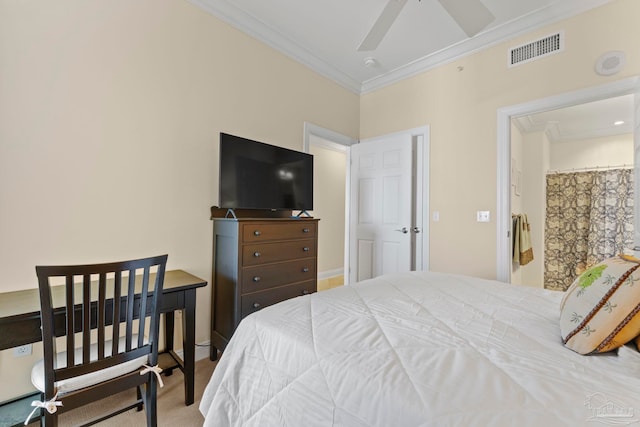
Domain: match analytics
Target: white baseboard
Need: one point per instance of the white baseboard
(330, 273)
(202, 351)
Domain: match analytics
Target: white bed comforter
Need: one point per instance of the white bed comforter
(417, 349)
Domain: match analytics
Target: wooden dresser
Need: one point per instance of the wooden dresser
(257, 263)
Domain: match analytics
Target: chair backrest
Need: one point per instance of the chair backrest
(101, 305)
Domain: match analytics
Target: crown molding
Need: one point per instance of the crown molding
(555, 134)
(244, 22)
(262, 32)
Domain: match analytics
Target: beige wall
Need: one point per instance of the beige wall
(535, 164)
(460, 100)
(109, 120)
(606, 151)
(516, 199)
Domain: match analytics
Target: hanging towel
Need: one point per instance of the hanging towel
(522, 249)
(515, 238)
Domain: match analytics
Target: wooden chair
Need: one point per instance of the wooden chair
(107, 315)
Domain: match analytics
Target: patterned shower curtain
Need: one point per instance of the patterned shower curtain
(589, 218)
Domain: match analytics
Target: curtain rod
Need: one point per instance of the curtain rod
(591, 169)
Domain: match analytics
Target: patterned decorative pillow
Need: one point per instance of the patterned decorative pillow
(600, 311)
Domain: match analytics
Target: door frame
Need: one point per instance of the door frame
(421, 137)
(622, 87)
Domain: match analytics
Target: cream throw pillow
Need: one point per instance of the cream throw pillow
(599, 311)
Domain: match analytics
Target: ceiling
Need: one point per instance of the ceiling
(325, 35)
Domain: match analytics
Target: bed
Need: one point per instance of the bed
(418, 349)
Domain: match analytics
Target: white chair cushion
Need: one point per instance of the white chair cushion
(87, 380)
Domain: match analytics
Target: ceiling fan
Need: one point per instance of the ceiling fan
(471, 15)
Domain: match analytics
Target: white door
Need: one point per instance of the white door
(381, 206)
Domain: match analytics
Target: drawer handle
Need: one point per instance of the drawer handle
(256, 278)
(305, 230)
(257, 233)
(256, 305)
(256, 254)
(305, 270)
(306, 292)
(306, 249)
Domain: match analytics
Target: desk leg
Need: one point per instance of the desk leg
(189, 344)
(169, 324)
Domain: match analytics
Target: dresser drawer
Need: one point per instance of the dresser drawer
(262, 277)
(264, 253)
(254, 302)
(262, 232)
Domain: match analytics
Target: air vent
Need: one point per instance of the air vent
(536, 49)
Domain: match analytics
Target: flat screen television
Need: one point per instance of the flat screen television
(255, 175)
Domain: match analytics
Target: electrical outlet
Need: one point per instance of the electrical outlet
(23, 350)
(483, 216)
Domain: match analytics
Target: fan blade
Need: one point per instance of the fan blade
(382, 25)
(471, 15)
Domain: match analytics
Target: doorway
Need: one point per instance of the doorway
(504, 164)
(567, 162)
(331, 152)
(327, 139)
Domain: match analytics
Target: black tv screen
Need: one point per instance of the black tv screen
(255, 175)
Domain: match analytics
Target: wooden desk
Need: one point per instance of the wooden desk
(20, 321)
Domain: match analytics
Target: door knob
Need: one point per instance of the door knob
(415, 229)
(403, 230)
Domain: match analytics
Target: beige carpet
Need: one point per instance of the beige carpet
(171, 408)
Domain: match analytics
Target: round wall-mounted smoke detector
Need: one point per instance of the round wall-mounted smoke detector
(610, 63)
